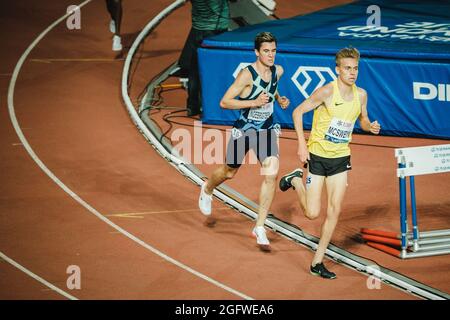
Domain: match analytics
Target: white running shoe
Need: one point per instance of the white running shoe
(261, 238)
(204, 201)
(117, 43)
(112, 26)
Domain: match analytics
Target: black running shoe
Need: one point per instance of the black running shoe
(320, 270)
(285, 181)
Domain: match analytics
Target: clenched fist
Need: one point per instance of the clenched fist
(375, 127)
(262, 99)
(284, 102)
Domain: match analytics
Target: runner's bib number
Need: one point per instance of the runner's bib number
(339, 131)
(262, 113)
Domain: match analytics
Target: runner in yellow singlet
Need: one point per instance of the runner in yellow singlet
(336, 106)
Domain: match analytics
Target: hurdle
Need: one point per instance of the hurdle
(413, 244)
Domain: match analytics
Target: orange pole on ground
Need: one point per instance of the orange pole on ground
(171, 86)
(395, 242)
(385, 248)
(387, 234)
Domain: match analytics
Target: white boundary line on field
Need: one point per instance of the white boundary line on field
(55, 179)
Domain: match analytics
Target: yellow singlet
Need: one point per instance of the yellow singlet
(333, 125)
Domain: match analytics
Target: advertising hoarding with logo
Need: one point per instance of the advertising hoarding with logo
(408, 98)
(404, 67)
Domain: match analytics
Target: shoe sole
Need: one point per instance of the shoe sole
(262, 247)
(205, 214)
(319, 275)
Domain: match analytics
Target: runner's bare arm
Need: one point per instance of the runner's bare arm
(372, 127)
(316, 99)
(280, 71)
(243, 80)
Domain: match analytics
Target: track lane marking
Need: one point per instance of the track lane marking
(36, 277)
(139, 214)
(77, 198)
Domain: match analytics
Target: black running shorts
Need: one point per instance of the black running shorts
(328, 166)
(263, 142)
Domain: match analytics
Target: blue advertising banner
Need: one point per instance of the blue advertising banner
(404, 67)
(410, 29)
(408, 98)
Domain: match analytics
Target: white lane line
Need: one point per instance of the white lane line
(55, 179)
(36, 277)
(143, 213)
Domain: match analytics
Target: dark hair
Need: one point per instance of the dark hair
(349, 52)
(264, 37)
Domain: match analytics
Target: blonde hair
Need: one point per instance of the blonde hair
(347, 53)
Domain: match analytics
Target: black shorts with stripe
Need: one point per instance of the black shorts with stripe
(328, 166)
(263, 142)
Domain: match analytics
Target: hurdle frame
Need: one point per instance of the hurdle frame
(422, 244)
